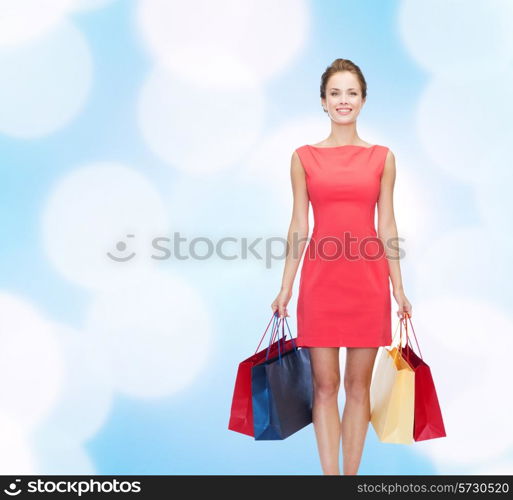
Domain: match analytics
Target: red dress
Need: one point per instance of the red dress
(344, 290)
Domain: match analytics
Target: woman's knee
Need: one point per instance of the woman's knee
(327, 386)
(357, 389)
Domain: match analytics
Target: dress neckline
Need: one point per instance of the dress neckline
(344, 146)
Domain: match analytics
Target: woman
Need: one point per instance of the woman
(344, 291)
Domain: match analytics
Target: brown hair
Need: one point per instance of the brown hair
(343, 65)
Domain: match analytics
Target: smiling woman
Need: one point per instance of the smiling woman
(337, 98)
(344, 293)
(342, 110)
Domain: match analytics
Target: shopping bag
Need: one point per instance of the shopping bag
(428, 421)
(392, 396)
(282, 392)
(241, 414)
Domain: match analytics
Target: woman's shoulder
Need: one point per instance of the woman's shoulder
(385, 150)
(388, 151)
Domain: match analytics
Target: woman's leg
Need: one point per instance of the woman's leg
(356, 415)
(326, 417)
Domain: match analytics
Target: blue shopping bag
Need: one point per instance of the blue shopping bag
(282, 391)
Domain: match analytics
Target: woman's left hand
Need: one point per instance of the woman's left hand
(403, 303)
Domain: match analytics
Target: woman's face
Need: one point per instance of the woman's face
(343, 97)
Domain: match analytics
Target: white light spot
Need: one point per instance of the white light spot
(170, 110)
(24, 20)
(16, 456)
(44, 83)
(225, 42)
(157, 333)
(30, 361)
(91, 4)
(86, 394)
(98, 209)
(455, 132)
(456, 38)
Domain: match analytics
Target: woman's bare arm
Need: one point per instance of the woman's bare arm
(297, 235)
(387, 231)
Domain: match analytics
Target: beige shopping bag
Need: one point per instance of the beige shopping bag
(392, 396)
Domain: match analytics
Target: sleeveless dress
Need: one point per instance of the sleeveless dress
(344, 290)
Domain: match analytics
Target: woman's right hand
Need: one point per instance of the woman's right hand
(281, 301)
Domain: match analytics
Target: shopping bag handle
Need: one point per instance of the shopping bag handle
(416, 341)
(395, 333)
(399, 349)
(276, 330)
(290, 333)
(407, 340)
(274, 316)
(281, 340)
(408, 337)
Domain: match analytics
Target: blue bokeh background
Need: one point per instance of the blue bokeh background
(442, 109)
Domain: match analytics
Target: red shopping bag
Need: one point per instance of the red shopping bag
(428, 421)
(241, 415)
